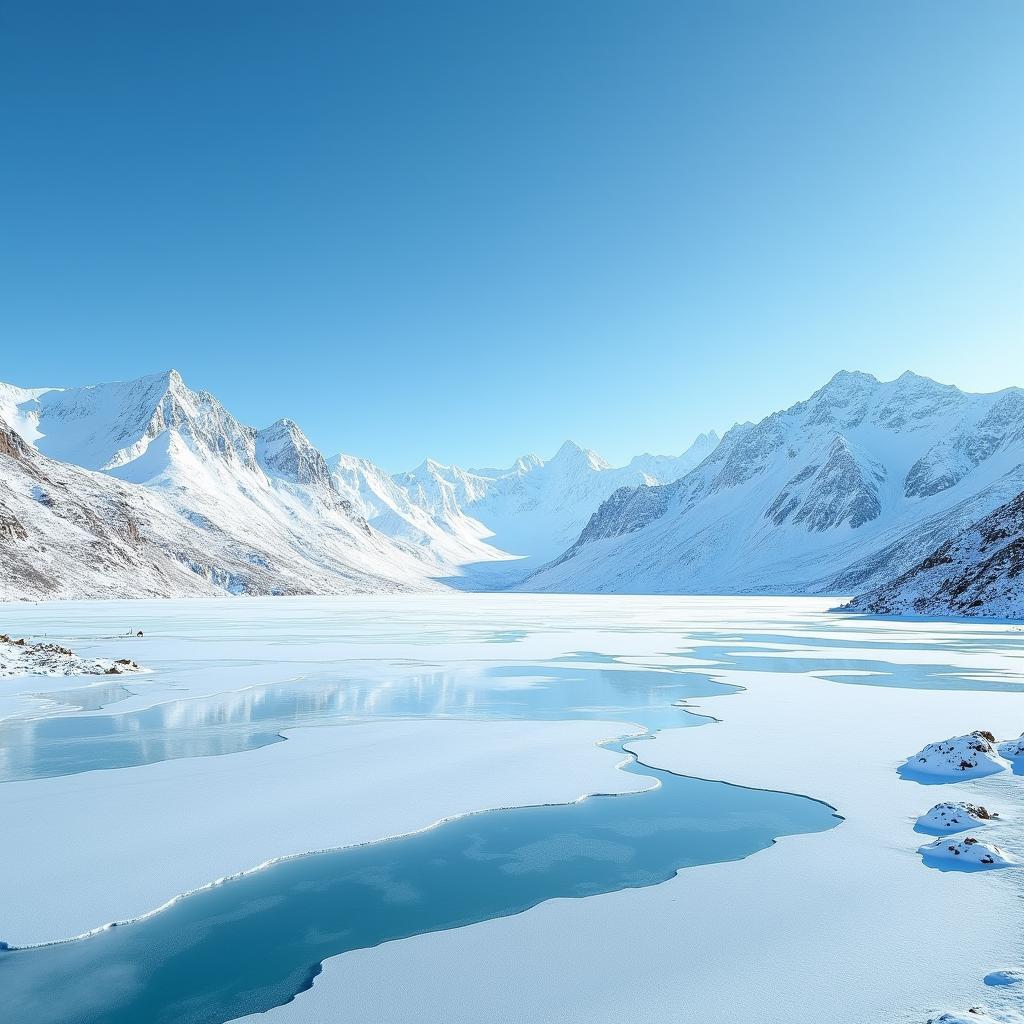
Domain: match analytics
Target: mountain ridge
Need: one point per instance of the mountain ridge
(787, 505)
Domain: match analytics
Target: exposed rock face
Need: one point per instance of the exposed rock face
(843, 490)
(980, 571)
(284, 451)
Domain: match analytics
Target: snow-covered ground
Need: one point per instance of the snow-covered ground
(19, 656)
(845, 925)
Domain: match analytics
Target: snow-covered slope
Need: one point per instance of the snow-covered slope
(836, 494)
(452, 540)
(68, 532)
(535, 508)
(247, 510)
(269, 498)
(980, 571)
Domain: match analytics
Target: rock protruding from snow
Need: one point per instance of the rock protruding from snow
(18, 657)
(966, 854)
(960, 757)
(979, 571)
(977, 1015)
(284, 451)
(1012, 750)
(946, 818)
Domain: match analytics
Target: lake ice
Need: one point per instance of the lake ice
(273, 728)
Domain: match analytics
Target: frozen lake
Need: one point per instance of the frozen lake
(299, 734)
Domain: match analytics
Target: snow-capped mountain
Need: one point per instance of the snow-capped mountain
(260, 510)
(68, 532)
(980, 571)
(836, 494)
(269, 515)
(451, 540)
(535, 508)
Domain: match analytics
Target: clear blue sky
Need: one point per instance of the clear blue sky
(474, 229)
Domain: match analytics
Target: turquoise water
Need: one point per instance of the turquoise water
(69, 743)
(253, 943)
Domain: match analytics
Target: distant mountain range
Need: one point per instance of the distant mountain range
(148, 488)
(834, 495)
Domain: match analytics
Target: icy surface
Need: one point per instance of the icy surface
(857, 899)
(842, 913)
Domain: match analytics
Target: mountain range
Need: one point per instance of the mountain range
(835, 495)
(148, 488)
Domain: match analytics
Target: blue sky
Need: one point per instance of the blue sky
(473, 229)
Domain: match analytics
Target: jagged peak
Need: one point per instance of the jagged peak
(845, 381)
(281, 426)
(527, 462)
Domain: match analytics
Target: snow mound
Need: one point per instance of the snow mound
(1012, 749)
(978, 1015)
(960, 757)
(967, 854)
(957, 816)
(999, 978)
(20, 658)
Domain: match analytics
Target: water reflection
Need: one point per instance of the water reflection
(245, 719)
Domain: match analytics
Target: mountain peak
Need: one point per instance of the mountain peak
(165, 380)
(572, 454)
(283, 451)
(845, 379)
